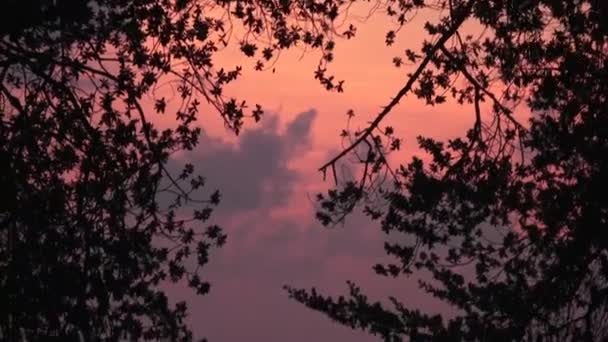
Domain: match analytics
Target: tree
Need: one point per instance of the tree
(511, 220)
(87, 236)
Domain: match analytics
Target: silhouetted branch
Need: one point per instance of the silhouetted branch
(506, 111)
(408, 86)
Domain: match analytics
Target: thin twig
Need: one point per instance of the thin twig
(505, 111)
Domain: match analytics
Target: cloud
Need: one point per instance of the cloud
(254, 174)
(266, 251)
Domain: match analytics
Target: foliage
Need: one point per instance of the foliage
(92, 222)
(510, 220)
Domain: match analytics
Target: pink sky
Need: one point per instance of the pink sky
(269, 173)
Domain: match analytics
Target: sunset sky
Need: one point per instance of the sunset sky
(418, 169)
(268, 177)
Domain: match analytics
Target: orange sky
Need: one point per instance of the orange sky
(371, 80)
(274, 241)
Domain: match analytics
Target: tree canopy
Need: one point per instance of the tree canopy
(509, 221)
(86, 234)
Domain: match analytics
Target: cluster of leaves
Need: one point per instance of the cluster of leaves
(91, 220)
(510, 220)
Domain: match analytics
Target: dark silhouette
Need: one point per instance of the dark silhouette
(508, 224)
(91, 220)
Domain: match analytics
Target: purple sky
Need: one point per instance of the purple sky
(273, 240)
(268, 176)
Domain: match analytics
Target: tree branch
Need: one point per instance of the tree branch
(408, 86)
(506, 111)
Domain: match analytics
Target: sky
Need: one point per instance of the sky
(268, 177)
